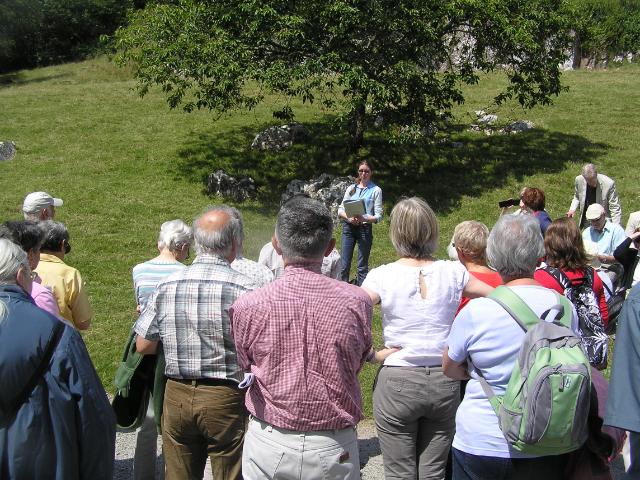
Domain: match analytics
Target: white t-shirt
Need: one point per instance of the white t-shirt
(331, 264)
(419, 325)
(484, 331)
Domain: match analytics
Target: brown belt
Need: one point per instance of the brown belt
(210, 382)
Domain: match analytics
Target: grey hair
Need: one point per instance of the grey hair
(514, 246)
(12, 259)
(217, 242)
(414, 228)
(589, 170)
(54, 234)
(174, 234)
(235, 213)
(304, 228)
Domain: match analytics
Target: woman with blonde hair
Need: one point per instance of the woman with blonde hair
(470, 243)
(414, 403)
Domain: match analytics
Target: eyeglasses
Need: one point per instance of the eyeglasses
(364, 171)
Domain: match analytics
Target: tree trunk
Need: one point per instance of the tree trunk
(357, 126)
(577, 51)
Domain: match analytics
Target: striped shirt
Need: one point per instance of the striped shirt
(305, 338)
(147, 275)
(189, 313)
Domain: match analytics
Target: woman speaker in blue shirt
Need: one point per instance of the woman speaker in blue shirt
(357, 229)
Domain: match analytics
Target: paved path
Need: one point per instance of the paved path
(370, 456)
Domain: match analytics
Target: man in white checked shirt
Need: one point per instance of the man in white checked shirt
(204, 410)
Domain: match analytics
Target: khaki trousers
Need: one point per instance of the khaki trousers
(272, 453)
(199, 421)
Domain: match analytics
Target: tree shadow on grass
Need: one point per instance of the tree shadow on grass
(15, 79)
(440, 173)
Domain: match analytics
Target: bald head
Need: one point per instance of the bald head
(215, 232)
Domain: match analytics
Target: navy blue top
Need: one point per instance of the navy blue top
(66, 428)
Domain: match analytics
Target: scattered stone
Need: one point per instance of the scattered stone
(278, 138)
(487, 119)
(326, 188)
(222, 184)
(7, 150)
(518, 126)
(475, 127)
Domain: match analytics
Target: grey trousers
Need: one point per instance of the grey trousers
(414, 409)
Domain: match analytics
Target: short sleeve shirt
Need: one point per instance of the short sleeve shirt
(419, 325)
(487, 335)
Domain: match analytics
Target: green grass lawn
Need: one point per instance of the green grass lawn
(123, 165)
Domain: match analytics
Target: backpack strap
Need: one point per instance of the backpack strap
(513, 304)
(559, 276)
(588, 275)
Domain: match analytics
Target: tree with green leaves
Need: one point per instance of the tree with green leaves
(404, 60)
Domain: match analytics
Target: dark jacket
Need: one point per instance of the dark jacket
(138, 377)
(65, 429)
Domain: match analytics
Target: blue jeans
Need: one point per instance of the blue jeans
(363, 236)
(477, 467)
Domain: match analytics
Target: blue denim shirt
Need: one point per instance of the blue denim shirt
(372, 196)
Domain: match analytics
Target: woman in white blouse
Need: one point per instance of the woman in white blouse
(414, 403)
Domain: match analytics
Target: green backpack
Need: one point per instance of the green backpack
(545, 407)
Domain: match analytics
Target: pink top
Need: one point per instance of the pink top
(304, 337)
(43, 298)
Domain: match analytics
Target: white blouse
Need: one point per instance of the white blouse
(419, 325)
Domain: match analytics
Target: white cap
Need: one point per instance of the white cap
(594, 211)
(36, 201)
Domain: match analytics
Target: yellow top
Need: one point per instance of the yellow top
(66, 284)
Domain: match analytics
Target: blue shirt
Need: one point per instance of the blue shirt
(147, 275)
(623, 402)
(372, 196)
(611, 236)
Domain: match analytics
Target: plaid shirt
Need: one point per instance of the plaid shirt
(189, 313)
(305, 337)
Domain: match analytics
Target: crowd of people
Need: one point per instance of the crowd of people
(254, 365)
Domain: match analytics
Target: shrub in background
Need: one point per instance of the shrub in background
(42, 32)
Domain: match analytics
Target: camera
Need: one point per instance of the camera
(511, 202)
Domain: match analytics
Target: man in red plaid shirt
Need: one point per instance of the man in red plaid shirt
(304, 339)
